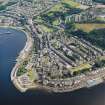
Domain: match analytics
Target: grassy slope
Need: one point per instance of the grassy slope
(89, 26)
(81, 67)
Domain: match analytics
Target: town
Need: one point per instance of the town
(55, 57)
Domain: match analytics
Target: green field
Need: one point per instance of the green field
(81, 67)
(21, 70)
(89, 26)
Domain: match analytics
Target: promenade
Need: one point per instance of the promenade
(22, 56)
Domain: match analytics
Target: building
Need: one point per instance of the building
(85, 2)
(86, 16)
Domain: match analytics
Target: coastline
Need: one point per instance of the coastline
(22, 55)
